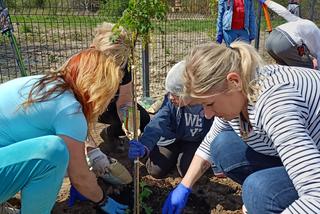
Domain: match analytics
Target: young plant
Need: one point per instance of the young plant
(139, 20)
(144, 195)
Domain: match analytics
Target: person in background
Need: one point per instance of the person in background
(274, 150)
(113, 135)
(174, 133)
(294, 7)
(44, 121)
(294, 43)
(236, 21)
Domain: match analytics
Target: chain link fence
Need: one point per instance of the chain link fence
(50, 31)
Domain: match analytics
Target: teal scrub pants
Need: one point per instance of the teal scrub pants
(35, 167)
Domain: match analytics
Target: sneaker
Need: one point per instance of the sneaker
(6, 208)
(112, 143)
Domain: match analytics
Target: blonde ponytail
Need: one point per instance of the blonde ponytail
(208, 65)
(250, 61)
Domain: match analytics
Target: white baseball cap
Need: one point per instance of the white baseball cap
(174, 79)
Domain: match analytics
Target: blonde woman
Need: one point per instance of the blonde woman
(44, 121)
(265, 135)
(105, 41)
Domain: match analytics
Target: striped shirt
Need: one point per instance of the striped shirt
(286, 123)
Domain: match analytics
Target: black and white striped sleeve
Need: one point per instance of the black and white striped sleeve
(217, 126)
(283, 117)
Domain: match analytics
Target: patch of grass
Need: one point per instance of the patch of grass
(56, 21)
(186, 25)
(189, 25)
(26, 28)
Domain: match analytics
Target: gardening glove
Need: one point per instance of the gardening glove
(74, 196)
(177, 200)
(98, 162)
(219, 38)
(136, 149)
(117, 173)
(112, 207)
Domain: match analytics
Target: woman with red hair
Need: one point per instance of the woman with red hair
(44, 121)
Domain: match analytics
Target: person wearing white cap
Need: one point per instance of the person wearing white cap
(174, 134)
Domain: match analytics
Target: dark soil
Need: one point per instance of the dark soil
(210, 194)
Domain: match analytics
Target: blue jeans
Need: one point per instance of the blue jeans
(230, 36)
(35, 167)
(266, 186)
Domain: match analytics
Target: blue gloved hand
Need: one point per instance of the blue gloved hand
(177, 200)
(136, 149)
(219, 38)
(262, 1)
(75, 196)
(113, 207)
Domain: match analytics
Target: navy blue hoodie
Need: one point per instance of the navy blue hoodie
(185, 123)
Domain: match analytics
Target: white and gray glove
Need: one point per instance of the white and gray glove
(98, 162)
(108, 168)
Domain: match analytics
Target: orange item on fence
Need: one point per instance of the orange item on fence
(267, 17)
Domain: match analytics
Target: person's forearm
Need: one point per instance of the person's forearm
(80, 176)
(281, 11)
(315, 63)
(125, 95)
(196, 169)
(87, 186)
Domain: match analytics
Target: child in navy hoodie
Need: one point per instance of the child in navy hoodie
(174, 133)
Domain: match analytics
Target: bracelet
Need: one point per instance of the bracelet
(103, 200)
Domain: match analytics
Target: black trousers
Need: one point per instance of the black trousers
(163, 159)
(110, 116)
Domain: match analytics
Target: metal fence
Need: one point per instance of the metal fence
(49, 31)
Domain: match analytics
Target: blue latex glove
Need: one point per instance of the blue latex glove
(113, 207)
(136, 149)
(177, 200)
(75, 196)
(219, 38)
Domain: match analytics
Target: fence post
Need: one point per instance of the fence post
(145, 70)
(257, 40)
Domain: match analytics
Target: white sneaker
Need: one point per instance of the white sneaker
(6, 208)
